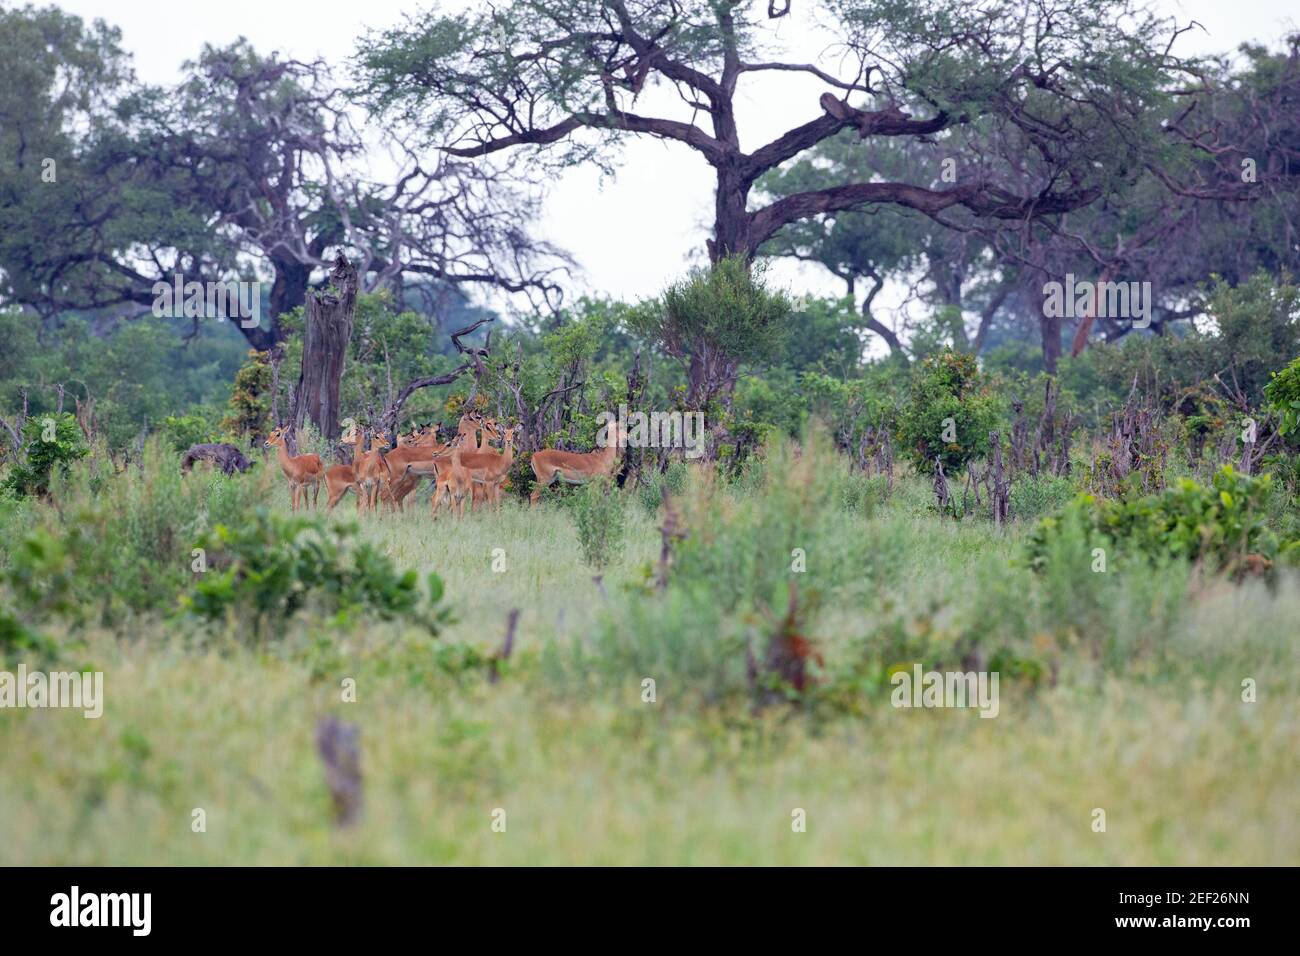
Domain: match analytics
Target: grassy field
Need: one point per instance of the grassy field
(1133, 706)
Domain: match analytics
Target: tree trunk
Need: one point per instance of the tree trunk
(730, 219)
(325, 348)
(1051, 330)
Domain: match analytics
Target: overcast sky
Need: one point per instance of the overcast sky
(633, 232)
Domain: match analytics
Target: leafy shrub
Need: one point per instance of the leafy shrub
(52, 442)
(39, 582)
(946, 386)
(597, 511)
(182, 431)
(862, 493)
(713, 321)
(1283, 398)
(745, 538)
(271, 566)
(1035, 495)
(649, 491)
(1223, 525)
(121, 543)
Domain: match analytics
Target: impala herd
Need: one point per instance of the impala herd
(465, 468)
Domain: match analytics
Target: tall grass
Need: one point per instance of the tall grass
(1121, 690)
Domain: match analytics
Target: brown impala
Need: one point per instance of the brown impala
(573, 468)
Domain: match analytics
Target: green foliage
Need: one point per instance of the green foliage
(743, 540)
(1034, 495)
(269, 566)
(249, 408)
(117, 546)
(601, 520)
(948, 398)
(1283, 398)
(39, 582)
(1254, 323)
(52, 443)
(715, 320)
(182, 431)
(649, 490)
(1223, 525)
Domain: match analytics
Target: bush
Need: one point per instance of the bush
(52, 442)
(1223, 525)
(597, 511)
(1283, 398)
(863, 494)
(649, 490)
(1034, 495)
(271, 566)
(948, 399)
(125, 539)
(182, 431)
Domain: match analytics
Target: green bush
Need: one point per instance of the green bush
(863, 494)
(1034, 495)
(649, 490)
(51, 442)
(1283, 398)
(598, 514)
(947, 386)
(125, 539)
(1223, 525)
(182, 431)
(269, 567)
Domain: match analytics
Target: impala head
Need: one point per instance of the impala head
(276, 437)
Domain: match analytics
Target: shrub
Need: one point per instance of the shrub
(649, 490)
(182, 431)
(1222, 525)
(1034, 495)
(948, 398)
(124, 540)
(1283, 398)
(270, 566)
(52, 442)
(597, 511)
(863, 493)
(713, 321)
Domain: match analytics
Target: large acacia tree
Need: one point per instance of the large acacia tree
(1067, 85)
(249, 168)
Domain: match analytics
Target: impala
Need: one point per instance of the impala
(454, 482)
(339, 478)
(399, 482)
(550, 464)
(369, 468)
(487, 469)
(302, 471)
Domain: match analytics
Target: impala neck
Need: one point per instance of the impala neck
(286, 460)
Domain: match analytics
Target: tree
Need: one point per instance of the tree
(714, 320)
(324, 348)
(888, 243)
(1069, 85)
(246, 169)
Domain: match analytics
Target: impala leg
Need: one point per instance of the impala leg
(538, 487)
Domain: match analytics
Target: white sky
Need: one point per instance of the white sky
(631, 233)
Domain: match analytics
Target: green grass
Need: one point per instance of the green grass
(1144, 720)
